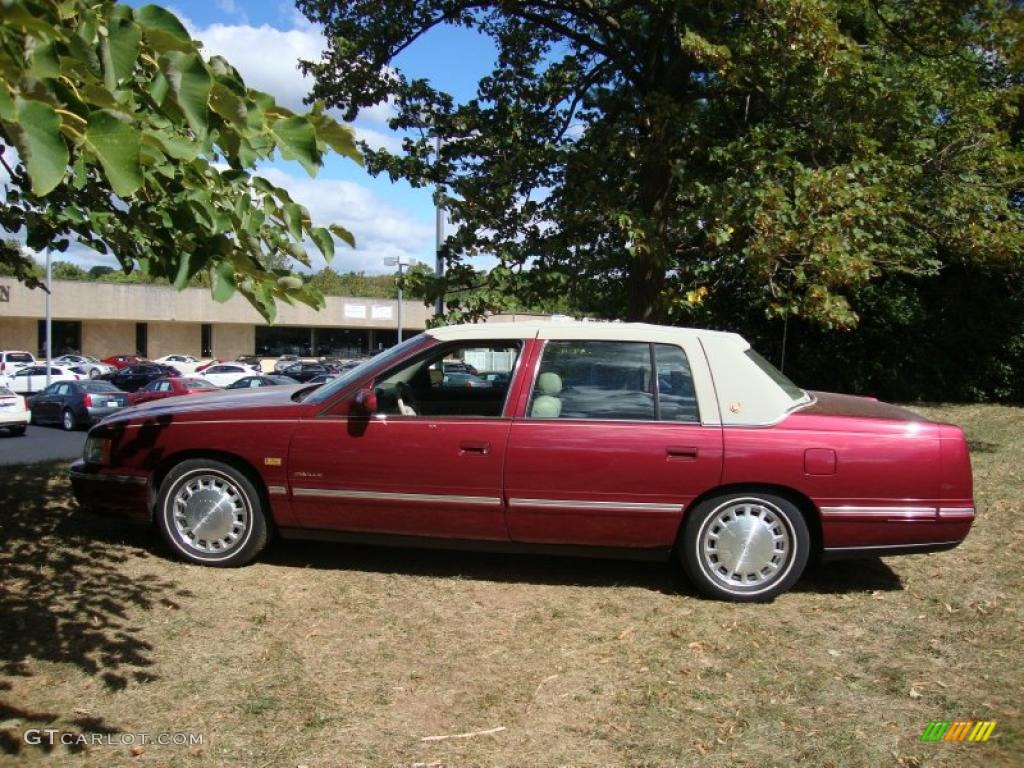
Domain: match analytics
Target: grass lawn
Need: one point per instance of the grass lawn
(336, 655)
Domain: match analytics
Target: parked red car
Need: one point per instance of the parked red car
(624, 439)
(168, 387)
(123, 361)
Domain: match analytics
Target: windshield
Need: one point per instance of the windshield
(791, 389)
(381, 361)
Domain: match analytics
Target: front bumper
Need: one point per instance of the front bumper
(110, 494)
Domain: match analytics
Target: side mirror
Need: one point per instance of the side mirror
(366, 401)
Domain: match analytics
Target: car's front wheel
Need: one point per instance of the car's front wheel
(745, 547)
(211, 513)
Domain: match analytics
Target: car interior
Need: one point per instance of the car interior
(418, 388)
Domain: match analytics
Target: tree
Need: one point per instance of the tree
(130, 141)
(641, 158)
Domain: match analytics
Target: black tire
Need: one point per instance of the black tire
(68, 420)
(773, 535)
(19, 430)
(238, 532)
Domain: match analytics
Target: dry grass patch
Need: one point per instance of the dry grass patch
(329, 655)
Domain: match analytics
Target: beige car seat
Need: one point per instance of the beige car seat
(546, 403)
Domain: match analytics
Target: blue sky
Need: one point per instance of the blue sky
(264, 39)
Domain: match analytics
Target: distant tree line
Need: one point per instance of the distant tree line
(328, 281)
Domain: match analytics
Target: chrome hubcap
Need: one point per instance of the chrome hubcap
(746, 544)
(210, 513)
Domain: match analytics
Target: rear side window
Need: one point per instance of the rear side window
(613, 380)
(19, 357)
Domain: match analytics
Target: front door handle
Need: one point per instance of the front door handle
(682, 452)
(474, 446)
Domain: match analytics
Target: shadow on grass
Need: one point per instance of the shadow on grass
(843, 576)
(65, 595)
(550, 570)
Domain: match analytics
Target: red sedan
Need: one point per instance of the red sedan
(123, 361)
(159, 389)
(611, 439)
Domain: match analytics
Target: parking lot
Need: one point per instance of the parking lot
(41, 444)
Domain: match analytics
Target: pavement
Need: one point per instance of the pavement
(40, 444)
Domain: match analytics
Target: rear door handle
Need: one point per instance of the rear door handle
(682, 452)
(474, 446)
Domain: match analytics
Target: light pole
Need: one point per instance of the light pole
(438, 233)
(49, 316)
(394, 261)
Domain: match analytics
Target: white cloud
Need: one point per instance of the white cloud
(268, 59)
(380, 229)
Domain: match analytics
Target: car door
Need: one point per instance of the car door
(610, 444)
(427, 463)
(23, 381)
(46, 404)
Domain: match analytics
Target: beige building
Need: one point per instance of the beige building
(102, 319)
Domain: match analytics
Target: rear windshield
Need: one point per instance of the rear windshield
(98, 386)
(199, 384)
(19, 357)
(777, 376)
(5, 392)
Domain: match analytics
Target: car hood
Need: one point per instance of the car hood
(235, 400)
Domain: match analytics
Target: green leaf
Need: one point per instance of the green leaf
(324, 241)
(42, 148)
(297, 141)
(177, 147)
(163, 30)
(293, 219)
(116, 144)
(337, 136)
(121, 51)
(343, 233)
(228, 105)
(222, 281)
(290, 283)
(190, 83)
(44, 61)
(184, 272)
(7, 111)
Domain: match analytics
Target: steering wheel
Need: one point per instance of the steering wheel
(407, 405)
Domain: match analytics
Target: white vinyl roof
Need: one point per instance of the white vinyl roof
(557, 329)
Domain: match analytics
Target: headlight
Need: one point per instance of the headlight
(97, 451)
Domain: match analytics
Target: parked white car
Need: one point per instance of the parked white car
(32, 379)
(13, 360)
(223, 374)
(185, 364)
(90, 365)
(14, 412)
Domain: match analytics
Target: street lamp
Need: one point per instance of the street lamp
(394, 261)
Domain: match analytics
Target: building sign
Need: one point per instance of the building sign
(5, 293)
(355, 311)
(380, 313)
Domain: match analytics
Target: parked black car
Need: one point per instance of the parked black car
(270, 380)
(303, 372)
(133, 377)
(74, 404)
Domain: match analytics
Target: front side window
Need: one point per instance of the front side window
(425, 385)
(613, 381)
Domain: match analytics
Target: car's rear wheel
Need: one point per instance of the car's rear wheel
(745, 547)
(19, 430)
(68, 420)
(211, 513)
(94, 372)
